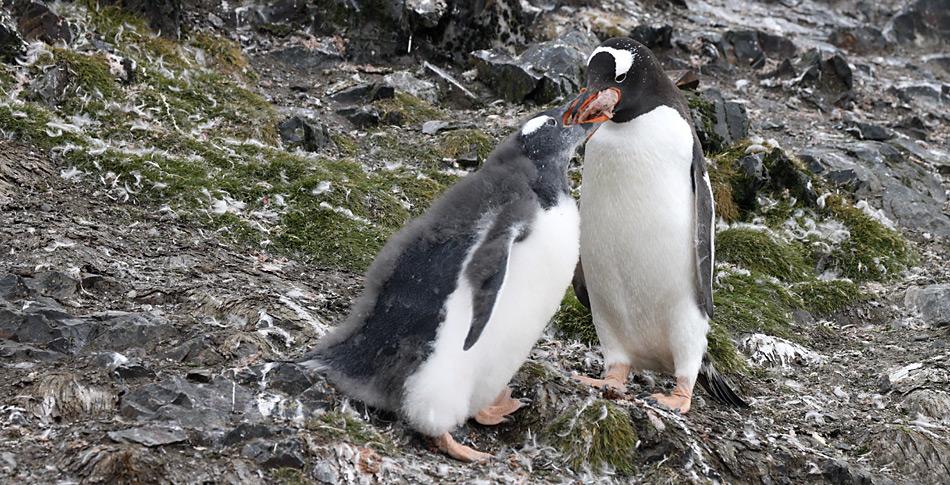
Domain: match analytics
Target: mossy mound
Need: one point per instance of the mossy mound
(574, 321)
(873, 252)
(759, 250)
(408, 109)
(459, 142)
(596, 433)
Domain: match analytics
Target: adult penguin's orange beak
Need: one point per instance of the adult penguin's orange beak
(592, 107)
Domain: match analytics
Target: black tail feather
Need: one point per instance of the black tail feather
(717, 385)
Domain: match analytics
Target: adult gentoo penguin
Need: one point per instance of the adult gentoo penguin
(647, 225)
(455, 300)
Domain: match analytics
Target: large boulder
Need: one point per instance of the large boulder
(11, 42)
(541, 73)
(924, 22)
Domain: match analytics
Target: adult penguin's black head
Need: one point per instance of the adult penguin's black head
(624, 80)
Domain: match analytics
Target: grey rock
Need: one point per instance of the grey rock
(741, 47)
(912, 452)
(924, 22)
(909, 193)
(200, 375)
(38, 22)
(323, 472)
(426, 13)
(133, 370)
(361, 116)
(299, 132)
(150, 435)
(931, 403)
(53, 284)
(269, 455)
(50, 87)
(308, 59)
(208, 407)
(752, 47)
(433, 127)
(17, 351)
(828, 81)
(120, 330)
(868, 131)
(844, 473)
(164, 16)
(405, 82)
(455, 91)
(245, 432)
(363, 93)
(11, 42)
(653, 36)
(932, 302)
(864, 39)
(722, 124)
(12, 287)
(541, 73)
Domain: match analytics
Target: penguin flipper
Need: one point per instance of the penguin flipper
(705, 228)
(486, 272)
(580, 285)
(718, 386)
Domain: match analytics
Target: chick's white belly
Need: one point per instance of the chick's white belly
(453, 384)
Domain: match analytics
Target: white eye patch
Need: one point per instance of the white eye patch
(533, 124)
(623, 58)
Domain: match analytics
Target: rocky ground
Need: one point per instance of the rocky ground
(190, 191)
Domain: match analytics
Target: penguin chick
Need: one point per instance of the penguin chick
(647, 226)
(456, 299)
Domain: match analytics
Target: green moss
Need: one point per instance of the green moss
(289, 476)
(754, 303)
(573, 320)
(347, 145)
(723, 350)
(872, 252)
(224, 54)
(334, 426)
(824, 298)
(459, 142)
(88, 75)
(761, 251)
(408, 108)
(597, 433)
(705, 112)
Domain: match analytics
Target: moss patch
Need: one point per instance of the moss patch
(334, 426)
(459, 142)
(823, 298)
(290, 476)
(223, 54)
(873, 252)
(758, 250)
(573, 320)
(753, 302)
(596, 433)
(408, 108)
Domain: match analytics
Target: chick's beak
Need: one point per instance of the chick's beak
(592, 107)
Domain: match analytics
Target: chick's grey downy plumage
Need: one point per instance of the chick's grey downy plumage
(467, 239)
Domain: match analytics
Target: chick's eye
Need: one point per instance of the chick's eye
(621, 78)
(551, 122)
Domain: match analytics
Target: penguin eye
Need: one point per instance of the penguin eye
(621, 78)
(551, 122)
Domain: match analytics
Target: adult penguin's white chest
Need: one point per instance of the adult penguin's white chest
(637, 232)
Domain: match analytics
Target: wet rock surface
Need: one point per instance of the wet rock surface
(145, 324)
